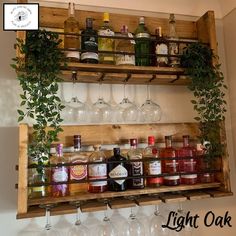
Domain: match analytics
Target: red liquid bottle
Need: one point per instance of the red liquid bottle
(170, 166)
(97, 171)
(187, 165)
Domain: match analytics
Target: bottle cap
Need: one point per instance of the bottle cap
(133, 142)
(124, 29)
(116, 151)
(89, 22)
(77, 142)
(141, 20)
(185, 136)
(158, 31)
(172, 18)
(106, 17)
(151, 140)
(60, 148)
(168, 137)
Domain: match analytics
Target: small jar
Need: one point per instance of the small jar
(172, 180)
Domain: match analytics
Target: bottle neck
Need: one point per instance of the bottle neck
(168, 142)
(172, 30)
(71, 11)
(186, 142)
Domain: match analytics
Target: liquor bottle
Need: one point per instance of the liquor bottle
(160, 48)
(117, 168)
(38, 177)
(59, 174)
(142, 44)
(71, 40)
(125, 45)
(78, 172)
(153, 166)
(174, 61)
(97, 171)
(170, 166)
(135, 167)
(106, 44)
(89, 43)
(187, 165)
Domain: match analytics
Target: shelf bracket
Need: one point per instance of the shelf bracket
(128, 76)
(154, 76)
(101, 77)
(74, 76)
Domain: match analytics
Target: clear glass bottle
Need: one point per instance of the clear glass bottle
(117, 168)
(106, 44)
(78, 172)
(71, 42)
(170, 166)
(142, 44)
(153, 166)
(187, 165)
(161, 47)
(59, 174)
(125, 45)
(174, 61)
(89, 43)
(97, 171)
(135, 168)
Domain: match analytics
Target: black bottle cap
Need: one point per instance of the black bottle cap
(89, 22)
(116, 151)
(133, 142)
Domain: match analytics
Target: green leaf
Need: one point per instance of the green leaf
(20, 112)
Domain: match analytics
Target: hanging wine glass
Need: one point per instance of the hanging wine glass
(101, 110)
(48, 230)
(156, 223)
(127, 111)
(78, 228)
(150, 111)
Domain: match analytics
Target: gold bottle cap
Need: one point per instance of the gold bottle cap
(106, 16)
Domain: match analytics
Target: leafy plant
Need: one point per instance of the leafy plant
(207, 85)
(38, 75)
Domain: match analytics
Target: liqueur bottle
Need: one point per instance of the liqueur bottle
(153, 166)
(106, 44)
(78, 172)
(135, 166)
(125, 45)
(142, 44)
(59, 174)
(117, 168)
(97, 171)
(89, 43)
(71, 40)
(187, 165)
(160, 48)
(174, 61)
(170, 166)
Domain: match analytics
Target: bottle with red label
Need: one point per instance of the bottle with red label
(59, 173)
(152, 165)
(97, 170)
(188, 165)
(171, 166)
(78, 171)
(135, 166)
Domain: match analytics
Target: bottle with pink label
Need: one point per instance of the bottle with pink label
(59, 174)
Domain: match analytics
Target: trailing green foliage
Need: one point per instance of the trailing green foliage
(38, 75)
(207, 85)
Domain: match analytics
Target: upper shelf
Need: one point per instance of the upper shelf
(94, 73)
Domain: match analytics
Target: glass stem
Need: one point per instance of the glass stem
(78, 221)
(100, 91)
(48, 224)
(148, 92)
(125, 90)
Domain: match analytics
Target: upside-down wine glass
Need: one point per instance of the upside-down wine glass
(150, 111)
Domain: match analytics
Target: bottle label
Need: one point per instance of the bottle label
(89, 55)
(154, 168)
(131, 36)
(142, 35)
(194, 176)
(98, 171)
(137, 170)
(78, 172)
(59, 174)
(176, 177)
(173, 50)
(162, 49)
(125, 60)
(72, 54)
(118, 172)
(106, 32)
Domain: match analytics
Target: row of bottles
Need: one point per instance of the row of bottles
(97, 173)
(141, 51)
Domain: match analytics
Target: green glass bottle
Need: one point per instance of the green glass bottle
(143, 45)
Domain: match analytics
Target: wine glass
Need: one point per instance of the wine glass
(48, 230)
(127, 111)
(136, 228)
(101, 110)
(156, 223)
(78, 228)
(150, 111)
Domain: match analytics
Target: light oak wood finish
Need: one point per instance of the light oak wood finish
(91, 206)
(196, 195)
(148, 200)
(172, 198)
(121, 203)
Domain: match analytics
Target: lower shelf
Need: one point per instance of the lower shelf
(130, 198)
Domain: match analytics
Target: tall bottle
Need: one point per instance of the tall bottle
(89, 43)
(153, 166)
(135, 168)
(59, 174)
(125, 45)
(78, 172)
(71, 40)
(143, 44)
(97, 171)
(117, 168)
(170, 166)
(187, 165)
(106, 44)
(174, 61)
(160, 48)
